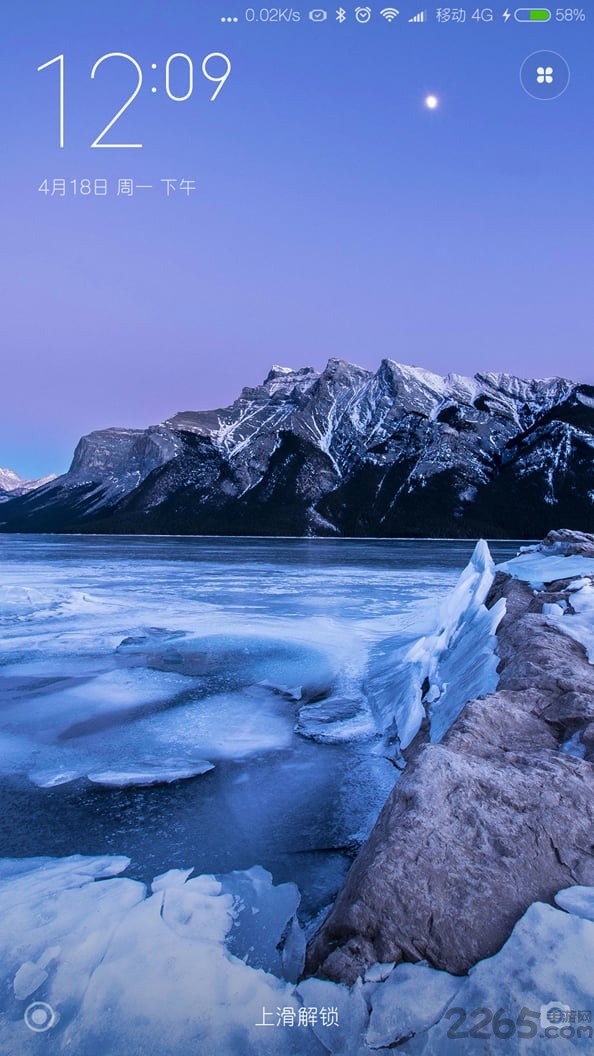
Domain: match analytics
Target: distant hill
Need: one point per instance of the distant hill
(11, 485)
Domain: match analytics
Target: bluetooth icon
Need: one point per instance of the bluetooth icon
(341, 15)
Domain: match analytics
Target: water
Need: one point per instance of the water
(122, 654)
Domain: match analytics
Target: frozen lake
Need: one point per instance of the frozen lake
(126, 660)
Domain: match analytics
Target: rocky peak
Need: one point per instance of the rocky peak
(9, 480)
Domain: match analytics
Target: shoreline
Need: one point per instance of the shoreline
(494, 814)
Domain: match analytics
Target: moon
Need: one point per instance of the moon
(431, 102)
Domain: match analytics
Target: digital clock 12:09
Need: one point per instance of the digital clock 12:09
(221, 61)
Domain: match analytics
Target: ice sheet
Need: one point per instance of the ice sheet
(190, 966)
(174, 650)
(129, 972)
(143, 658)
(57, 728)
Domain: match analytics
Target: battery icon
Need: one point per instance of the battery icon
(532, 14)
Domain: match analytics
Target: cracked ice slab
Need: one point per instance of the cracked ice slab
(538, 568)
(456, 659)
(156, 775)
(136, 973)
(171, 704)
(410, 1001)
(130, 971)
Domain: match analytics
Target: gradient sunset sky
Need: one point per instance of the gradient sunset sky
(335, 215)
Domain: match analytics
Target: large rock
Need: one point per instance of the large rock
(491, 819)
(568, 542)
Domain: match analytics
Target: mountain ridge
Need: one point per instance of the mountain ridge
(342, 451)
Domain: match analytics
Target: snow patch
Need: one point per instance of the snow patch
(578, 900)
(542, 564)
(549, 957)
(579, 624)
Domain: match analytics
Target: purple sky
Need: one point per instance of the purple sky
(335, 215)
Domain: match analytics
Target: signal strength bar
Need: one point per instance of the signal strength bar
(421, 16)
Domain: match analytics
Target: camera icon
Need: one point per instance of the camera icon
(318, 15)
(552, 1014)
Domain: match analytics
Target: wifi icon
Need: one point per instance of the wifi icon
(389, 13)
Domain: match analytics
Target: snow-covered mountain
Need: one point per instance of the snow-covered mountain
(12, 485)
(344, 451)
